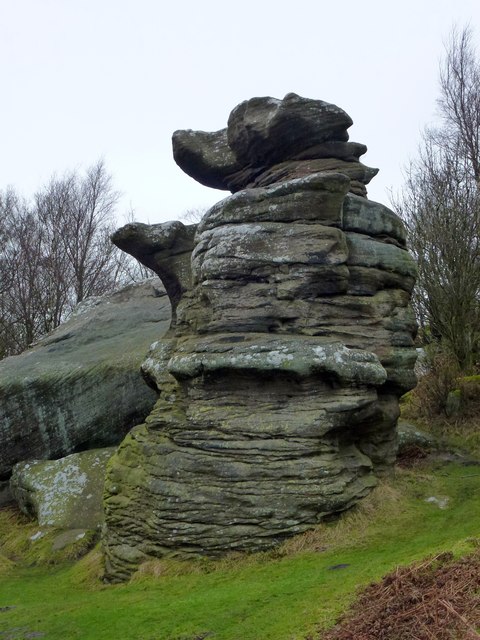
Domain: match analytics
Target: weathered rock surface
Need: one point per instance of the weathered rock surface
(65, 493)
(207, 154)
(79, 387)
(164, 248)
(265, 131)
(268, 141)
(279, 380)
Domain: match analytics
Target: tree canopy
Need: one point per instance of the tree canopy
(441, 207)
(55, 251)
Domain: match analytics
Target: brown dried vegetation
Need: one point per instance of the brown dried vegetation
(438, 599)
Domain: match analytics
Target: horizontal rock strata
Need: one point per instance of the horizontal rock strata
(279, 380)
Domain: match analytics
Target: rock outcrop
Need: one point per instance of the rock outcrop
(80, 387)
(279, 379)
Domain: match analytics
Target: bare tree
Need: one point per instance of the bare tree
(79, 214)
(459, 101)
(54, 253)
(441, 207)
(21, 262)
(193, 215)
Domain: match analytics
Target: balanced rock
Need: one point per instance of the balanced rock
(80, 386)
(280, 376)
(268, 141)
(163, 248)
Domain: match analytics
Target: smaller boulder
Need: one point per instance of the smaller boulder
(65, 493)
(454, 404)
(411, 436)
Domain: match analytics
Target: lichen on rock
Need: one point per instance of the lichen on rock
(65, 493)
(280, 376)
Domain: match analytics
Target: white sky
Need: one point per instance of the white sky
(84, 79)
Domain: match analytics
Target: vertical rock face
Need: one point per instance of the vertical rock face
(279, 379)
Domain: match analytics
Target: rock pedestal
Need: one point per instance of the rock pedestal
(279, 379)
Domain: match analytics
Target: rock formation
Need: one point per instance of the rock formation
(291, 342)
(80, 387)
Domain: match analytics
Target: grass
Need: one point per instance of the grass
(283, 595)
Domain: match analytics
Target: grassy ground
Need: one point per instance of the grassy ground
(286, 594)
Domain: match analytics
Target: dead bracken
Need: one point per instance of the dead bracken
(438, 599)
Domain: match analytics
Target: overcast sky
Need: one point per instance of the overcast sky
(84, 79)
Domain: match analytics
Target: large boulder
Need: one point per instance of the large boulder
(264, 131)
(279, 381)
(80, 387)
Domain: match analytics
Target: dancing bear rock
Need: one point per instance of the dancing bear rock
(291, 342)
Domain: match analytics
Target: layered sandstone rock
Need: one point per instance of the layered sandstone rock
(279, 379)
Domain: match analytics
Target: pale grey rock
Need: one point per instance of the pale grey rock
(372, 219)
(68, 538)
(317, 197)
(302, 357)
(409, 435)
(65, 493)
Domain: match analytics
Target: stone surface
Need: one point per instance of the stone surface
(279, 381)
(80, 386)
(265, 131)
(269, 141)
(164, 248)
(68, 538)
(206, 156)
(454, 403)
(65, 493)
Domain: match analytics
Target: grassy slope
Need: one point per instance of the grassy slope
(281, 595)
